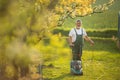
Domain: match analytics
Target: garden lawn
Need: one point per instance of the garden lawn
(100, 62)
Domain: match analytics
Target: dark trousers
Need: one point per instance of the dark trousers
(77, 52)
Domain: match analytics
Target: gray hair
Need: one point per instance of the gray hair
(78, 20)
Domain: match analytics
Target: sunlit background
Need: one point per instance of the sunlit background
(34, 45)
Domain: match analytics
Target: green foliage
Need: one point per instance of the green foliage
(3, 7)
(53, 48)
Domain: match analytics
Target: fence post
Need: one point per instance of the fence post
(119, 30)
(119, 25)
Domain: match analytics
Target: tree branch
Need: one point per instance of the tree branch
(104, 7)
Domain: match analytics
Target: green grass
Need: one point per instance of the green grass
(100, 62)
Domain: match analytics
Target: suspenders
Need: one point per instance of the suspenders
(76, 31)
(79, 35)
(78, 44)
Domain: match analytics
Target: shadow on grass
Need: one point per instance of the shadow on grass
(102, 45)
(102, 40)
(104, 33)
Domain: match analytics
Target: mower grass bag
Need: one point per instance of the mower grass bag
(76, 67)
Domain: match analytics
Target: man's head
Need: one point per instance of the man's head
(78, 24)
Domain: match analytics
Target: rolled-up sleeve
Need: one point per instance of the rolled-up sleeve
(84, 32)
(71, 32)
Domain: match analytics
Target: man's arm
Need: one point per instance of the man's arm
(70, 41)
(89, 40)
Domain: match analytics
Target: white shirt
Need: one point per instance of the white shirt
(72, 33)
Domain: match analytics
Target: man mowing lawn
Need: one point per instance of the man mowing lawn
(76, 37)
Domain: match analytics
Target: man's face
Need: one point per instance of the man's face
(78, 24)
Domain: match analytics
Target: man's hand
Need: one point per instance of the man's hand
(89, 40)
(70, 41)
(91, 43)
(71, 44)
